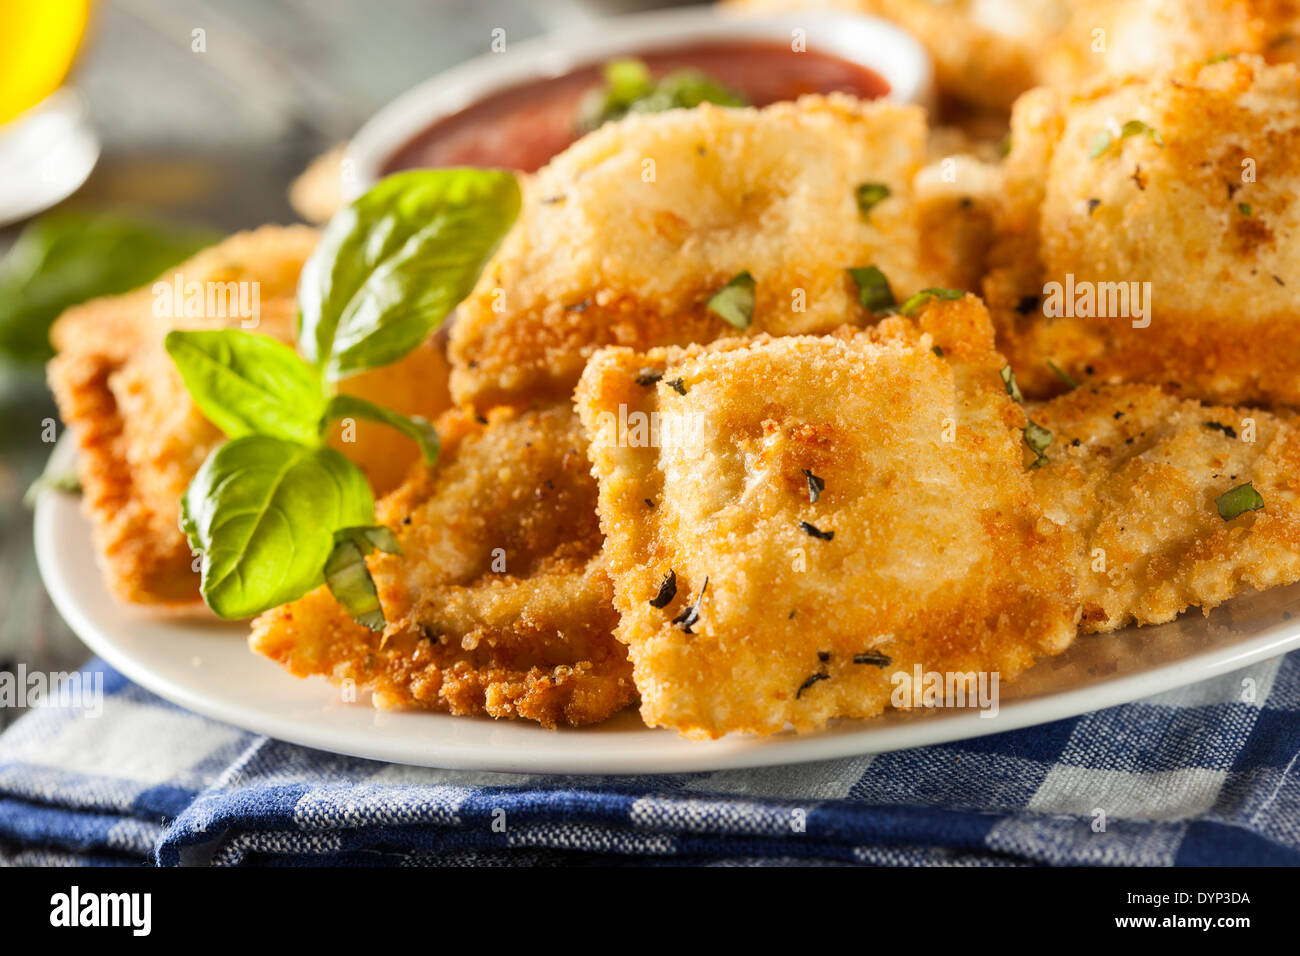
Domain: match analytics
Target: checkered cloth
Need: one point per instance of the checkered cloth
(1203, 775)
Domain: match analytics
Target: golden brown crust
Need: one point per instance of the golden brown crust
(1208, 214)
(498, 603)
(141, 438)
(1118, 39)
(939, 558)
(603, 254)
(1133, 476)
(982, 58)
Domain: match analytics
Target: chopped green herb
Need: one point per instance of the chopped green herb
(667, 590)
(937, 350)
(689, 616)
(629, 87)
(1100, 143)
(914, 303)
(874, 292)
(1061, 374)
(734, 302)
(874, 658)
(1037, 438)
(1245, 208)
(1136, 127)
(812, 679)
(648, 376)
(815, 532)
(1008, 376)
(678, 386)
(1237, 501)
(815, 486)
(1104, 140)
(869, 195)
(1226, 429)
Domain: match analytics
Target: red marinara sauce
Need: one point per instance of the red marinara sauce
(524, 126)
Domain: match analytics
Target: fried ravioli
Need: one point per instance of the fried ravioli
(1139, 38)
(626, 235)
(1151, 233)
(141, 438)
(985, 54)
(498, 603)
(793, 521)
(1134, 475)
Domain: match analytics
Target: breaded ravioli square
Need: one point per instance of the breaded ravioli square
(1150, 232)
(791, 522)
(625, 236)
(141, 438)
(1135, 475)
(498, 603)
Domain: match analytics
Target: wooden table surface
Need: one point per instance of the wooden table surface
(216, 137)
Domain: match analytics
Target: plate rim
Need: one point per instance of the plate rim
(55, 510)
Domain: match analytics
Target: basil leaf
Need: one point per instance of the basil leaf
(1037, 438)
(65, 258)
(393, 264)
(914, 303)
(247, 383)
(1135, 127)
(1008, 376)
(874, 292)
(869, 195)
(413, 426)
(734, 302)
(1101, 142)
(348, 578)
(630, 87)
(1237, 501)
(262, 512)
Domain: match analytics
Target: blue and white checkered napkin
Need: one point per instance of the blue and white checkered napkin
(1194, 776)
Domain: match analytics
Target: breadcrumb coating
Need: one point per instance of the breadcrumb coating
(498, 603)
(1180, 193)
(1134, 475)
(627, 234)
(922, 546)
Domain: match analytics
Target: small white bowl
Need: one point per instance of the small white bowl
(890, 52)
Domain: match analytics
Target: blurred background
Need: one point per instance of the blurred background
(192, 118)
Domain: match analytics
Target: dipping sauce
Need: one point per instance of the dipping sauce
(523, 127)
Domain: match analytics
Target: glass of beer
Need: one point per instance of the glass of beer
(47, 146)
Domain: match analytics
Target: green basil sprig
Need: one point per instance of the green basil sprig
(262, 512)
(274, 511)
(349, 579)
(249, 384)
(415, 427)
(392, 265)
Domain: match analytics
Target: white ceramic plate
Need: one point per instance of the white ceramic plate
(206, 667)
